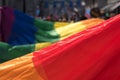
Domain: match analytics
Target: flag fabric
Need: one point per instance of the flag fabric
(24, 34)
(92, 54)
(20, 29)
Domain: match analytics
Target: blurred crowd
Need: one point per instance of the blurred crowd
(88, 12)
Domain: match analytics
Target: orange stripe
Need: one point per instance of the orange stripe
(92, 22)
(20, 69)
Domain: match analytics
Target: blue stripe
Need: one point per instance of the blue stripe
(23, 30)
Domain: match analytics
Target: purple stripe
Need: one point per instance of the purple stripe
(7, 22)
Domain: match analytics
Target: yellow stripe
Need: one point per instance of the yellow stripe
(39, 46)
(60, 24)
(69, 30)
(20, 69)
(74, 28)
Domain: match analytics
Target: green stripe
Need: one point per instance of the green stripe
(46, 31)
(8, 52)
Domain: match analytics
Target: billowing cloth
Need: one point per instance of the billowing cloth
(24, 34)
(20, 29)
(92, 54)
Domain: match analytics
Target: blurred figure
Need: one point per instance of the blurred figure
(87, 12)
(77, 15)
(95, 12)
(65, 18)
(56, 18)
(102, 14)
(37, 13)
(107, 15)
(50, 18)
(60, 19)
(112, 14)
(82, 17)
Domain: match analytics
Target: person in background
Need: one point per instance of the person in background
(112, 14)
(77, 15)
(65, 18)
(60, 19)
(37, 13)
(48, 18)
(95, 12)
(102, 14)
(56, 18)
(87, 12)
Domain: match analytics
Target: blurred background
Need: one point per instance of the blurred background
(66, 10)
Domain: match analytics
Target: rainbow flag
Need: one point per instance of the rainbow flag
(92, 54)
(24, 34)
(19, 28)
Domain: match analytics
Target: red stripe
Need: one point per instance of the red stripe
(89, 55)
